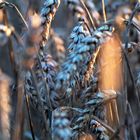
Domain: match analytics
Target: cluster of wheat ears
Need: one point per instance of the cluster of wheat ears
(86, 91)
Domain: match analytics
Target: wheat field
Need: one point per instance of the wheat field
(69, 70)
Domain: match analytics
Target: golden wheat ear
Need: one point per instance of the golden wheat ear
(47, 13)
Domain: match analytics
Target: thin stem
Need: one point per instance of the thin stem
(104, 12)
(19, 13)
(133, 124)
(89, 15)
(11, 5)
(88, 28)
(29, 116)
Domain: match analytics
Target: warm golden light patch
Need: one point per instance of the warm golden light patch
(1, 15)
(111, 64)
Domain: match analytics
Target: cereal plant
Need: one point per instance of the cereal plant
(69, 70)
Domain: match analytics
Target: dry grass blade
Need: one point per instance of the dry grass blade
(104, 12)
